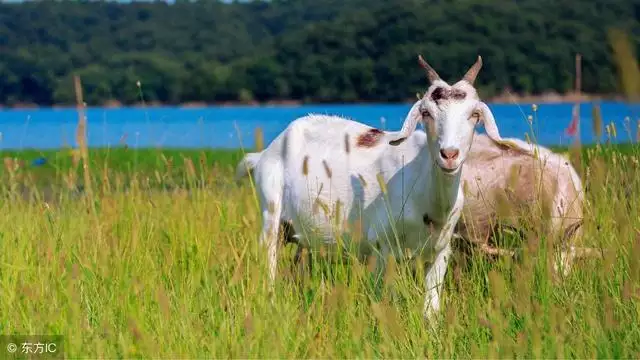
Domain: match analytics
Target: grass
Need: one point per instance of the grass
(164, 262)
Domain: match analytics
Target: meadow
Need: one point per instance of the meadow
(131, 252)
(154, 253)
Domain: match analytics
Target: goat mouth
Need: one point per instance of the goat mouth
(449, 171)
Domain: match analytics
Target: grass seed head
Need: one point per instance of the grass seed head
(327, 169)
(305, 165)
(381, 183)
(347, 146)
(258, 138)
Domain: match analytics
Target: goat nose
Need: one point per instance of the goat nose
(449, 153)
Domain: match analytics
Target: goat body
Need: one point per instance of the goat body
(524, 179)
(501, 183)
(324, 173)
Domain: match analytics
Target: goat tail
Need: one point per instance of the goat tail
(270, 187)
(247, 164)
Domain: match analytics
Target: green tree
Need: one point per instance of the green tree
(310, 50)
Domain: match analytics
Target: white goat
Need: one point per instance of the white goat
(339, 162)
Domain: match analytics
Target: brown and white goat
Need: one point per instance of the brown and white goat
(503, 183)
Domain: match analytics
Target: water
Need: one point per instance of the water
(231, 127)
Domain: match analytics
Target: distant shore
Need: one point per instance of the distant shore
(505, 98)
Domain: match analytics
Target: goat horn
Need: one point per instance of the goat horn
(432, 75)
(471, 75)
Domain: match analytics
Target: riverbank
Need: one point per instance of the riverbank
(506, 97)
(157, 165)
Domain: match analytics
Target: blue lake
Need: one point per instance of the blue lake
(231, 127)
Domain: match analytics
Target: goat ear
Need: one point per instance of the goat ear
(489, 123)
(409, 125)
(492, 130)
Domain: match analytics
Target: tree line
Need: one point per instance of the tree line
(305, 50)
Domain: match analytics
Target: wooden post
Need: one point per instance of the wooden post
(575, 150)
(81, 137)
(578, 90)
(578, 73)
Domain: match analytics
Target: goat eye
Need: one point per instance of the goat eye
(475, 115)
(425, 113)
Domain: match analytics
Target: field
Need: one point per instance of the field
(158, 258)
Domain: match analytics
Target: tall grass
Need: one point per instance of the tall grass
(164, 263)
(176, 272)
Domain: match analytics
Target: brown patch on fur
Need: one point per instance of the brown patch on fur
(305, 165)
(458, 94)
(369, 138)
(441, 93)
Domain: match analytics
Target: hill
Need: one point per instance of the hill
(306, 50)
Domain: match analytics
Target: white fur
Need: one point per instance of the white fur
(248, 162)
(316, 164)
